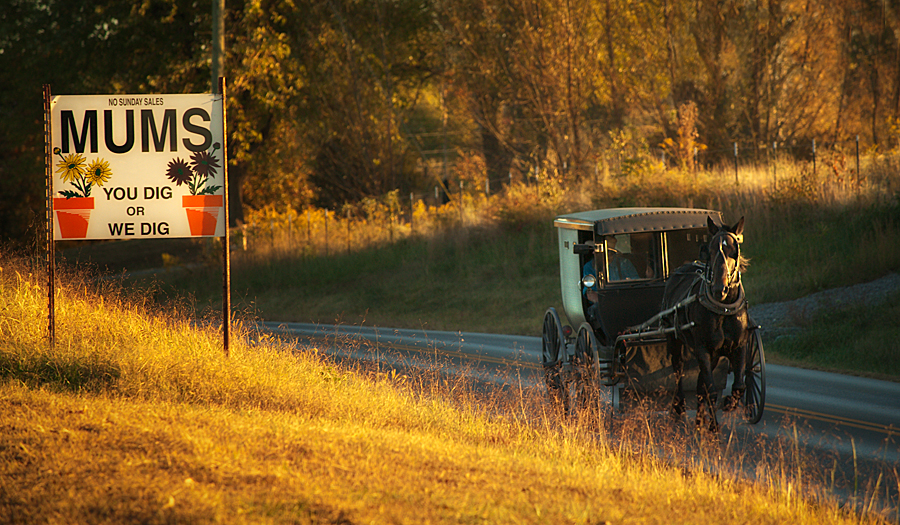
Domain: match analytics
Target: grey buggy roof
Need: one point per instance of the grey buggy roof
(636, 220)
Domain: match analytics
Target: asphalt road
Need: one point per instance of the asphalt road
(849, 425)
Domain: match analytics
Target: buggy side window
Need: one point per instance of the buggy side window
(645, 254)
(684, 246)
(632, 257)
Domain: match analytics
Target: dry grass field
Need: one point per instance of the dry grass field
(137, 416)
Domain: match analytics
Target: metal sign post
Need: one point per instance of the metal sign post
(51, 248)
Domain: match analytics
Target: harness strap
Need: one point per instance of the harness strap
(716, 307)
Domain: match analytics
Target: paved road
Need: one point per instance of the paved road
(851, 424)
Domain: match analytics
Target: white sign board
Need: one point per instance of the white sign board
(137, 166)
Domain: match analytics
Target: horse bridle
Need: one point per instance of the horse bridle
(733, 279)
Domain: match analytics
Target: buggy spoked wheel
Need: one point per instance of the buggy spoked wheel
(552, 338)
(755, 379)
(593, 393)
(553, 341)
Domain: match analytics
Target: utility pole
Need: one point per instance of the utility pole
(217, 68)
(218, 43)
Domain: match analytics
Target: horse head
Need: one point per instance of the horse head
(725, 262)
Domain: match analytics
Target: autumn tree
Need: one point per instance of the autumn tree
(340, 100)
(82, 48)
(684, 147)
(367, 69)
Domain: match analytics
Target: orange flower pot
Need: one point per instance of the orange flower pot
(73, 216)
(202, 212)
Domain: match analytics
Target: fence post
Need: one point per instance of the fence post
(857, 168)
(461, 203)
(775, 165)
(736, 182)
(814, 155)
(348, 231)
(326, 232)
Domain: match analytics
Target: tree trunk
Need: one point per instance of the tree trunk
(235, 195)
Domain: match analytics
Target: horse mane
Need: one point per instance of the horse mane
(743, 263)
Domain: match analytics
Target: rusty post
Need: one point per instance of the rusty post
(51, 245)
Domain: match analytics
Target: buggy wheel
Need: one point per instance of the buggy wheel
(755, 379)
(579, 384)
(594, 390)
(553, 340)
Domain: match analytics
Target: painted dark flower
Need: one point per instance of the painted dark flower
(204, 164)
(178, 171)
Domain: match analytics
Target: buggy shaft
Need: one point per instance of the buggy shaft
(657, 332)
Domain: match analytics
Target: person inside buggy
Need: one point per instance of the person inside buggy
(619, 265)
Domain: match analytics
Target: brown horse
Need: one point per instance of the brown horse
(719, 313)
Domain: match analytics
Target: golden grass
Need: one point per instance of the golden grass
(90, 459)
(137, 417)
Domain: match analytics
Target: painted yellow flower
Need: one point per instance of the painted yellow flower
(71, 166)
(98, 172)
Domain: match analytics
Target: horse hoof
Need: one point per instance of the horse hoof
(731, 403)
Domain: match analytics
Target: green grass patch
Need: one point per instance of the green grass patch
(496, 281)
(860, 339)
(818, 249)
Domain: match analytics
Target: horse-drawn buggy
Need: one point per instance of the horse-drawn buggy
(662, 319)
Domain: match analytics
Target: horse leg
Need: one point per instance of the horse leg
(706, 392)
(675, 347)
(738, 386)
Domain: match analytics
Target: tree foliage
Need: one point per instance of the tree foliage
(333, 101)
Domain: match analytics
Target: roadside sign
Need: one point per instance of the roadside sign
(137, 166)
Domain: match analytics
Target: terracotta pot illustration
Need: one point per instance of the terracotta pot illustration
(202, 212)
(73, 215)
